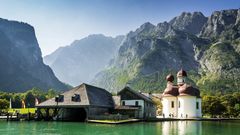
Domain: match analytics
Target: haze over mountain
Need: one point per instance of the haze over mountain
(207, 47)
(22, 66)
(80, 61)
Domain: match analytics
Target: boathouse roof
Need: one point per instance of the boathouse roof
(127, 94)
(88, 96)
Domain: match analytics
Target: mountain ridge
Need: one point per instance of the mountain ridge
(150, 52)
(82, 59)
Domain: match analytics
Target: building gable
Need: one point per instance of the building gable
(129, 94)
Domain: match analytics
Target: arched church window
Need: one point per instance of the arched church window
(172, 104)
(197, 105)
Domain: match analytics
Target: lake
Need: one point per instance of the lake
(142, 128)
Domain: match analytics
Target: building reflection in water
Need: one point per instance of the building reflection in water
(182, 128)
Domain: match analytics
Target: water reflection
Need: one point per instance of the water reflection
(141, 128)
(182, 128)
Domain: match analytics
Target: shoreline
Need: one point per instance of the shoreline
(161, 120)
(190, 119)
(4, 118)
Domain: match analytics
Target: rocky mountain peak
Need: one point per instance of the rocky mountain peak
(189, 22)
(145, 28)
(220, 22)
(162, 28)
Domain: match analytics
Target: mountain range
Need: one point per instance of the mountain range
(83, 59)
(21, 63)
(208, 48)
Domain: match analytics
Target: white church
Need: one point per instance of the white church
(181, 100)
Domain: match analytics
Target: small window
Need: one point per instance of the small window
(179, 104)
(136, 103)
(76, 98)
(197, 105)
(172, 104)
(123, 103)
(59, 98)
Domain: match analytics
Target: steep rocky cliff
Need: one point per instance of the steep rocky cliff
(207, 47)
(21, 63)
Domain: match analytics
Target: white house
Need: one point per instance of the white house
(132, 99)
(181, 100)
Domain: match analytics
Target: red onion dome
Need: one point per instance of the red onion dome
(182, 73)
(188, 90)
(170, 78)
(171, 90)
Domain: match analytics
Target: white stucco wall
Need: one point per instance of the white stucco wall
(167, 106)
(187, 107)
(199, 111)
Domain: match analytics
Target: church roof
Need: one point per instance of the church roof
(188, 90)
(171, 90)
(170, 78)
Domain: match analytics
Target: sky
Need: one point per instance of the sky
(59, 22)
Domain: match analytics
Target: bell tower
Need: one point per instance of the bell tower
(181, 77)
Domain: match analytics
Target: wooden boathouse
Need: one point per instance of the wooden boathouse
(78, 104)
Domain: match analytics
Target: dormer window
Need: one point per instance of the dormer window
(76, 98)
(59, 98)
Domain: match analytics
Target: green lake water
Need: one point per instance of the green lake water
(142, 128)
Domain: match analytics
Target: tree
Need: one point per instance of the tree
(216, 108)
(16, 101)
(212, 105)
(4, 104)
(51, 93)
(29, 99)
(158, 103)
(237, 110)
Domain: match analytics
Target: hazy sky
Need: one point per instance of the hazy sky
(60, 22)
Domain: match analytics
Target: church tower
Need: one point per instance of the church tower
(181, 77)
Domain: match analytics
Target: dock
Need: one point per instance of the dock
(18, 117)
(9, 118)
(113, 121)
